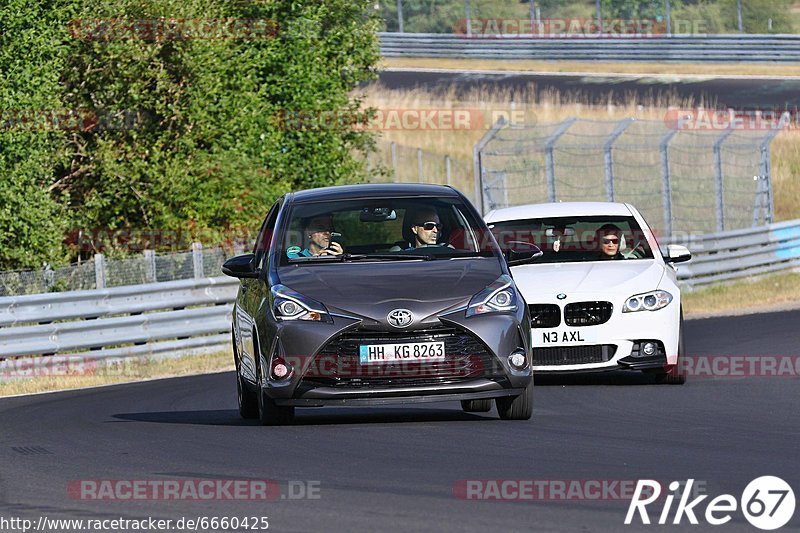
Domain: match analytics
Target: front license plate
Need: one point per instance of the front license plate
(407, 351)
(563, 337)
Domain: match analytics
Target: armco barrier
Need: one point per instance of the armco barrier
(709, 48)
(189, 315)
(741, 253)
(122, 321)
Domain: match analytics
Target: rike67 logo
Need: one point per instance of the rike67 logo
(767, 503)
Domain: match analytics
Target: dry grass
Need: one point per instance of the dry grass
(78, 376)
(543, 107)
(738, 69)
(768, 293)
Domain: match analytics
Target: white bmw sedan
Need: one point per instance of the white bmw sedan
(601, 296)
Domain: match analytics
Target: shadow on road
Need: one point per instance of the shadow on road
(601, 378)
(314, 416)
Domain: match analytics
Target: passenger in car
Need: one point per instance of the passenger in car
(317, 234)
(610, 237)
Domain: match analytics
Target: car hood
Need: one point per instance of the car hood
(621, 278)
(372, 290)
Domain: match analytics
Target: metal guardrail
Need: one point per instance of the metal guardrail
(195, 314)
(119, 322)
(711, 48)
(741, 253)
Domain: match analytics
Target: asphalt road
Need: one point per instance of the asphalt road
(723, 92)
(395, 468)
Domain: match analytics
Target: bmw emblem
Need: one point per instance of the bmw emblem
(400, 318)
(561, 296)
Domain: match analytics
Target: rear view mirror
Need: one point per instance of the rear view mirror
(377, 214)
(241, 266)
(520, 253)
(560, 232)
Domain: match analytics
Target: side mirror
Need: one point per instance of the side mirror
(241, 266)
(677, 254)
(520, 253)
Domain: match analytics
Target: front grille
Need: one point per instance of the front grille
(587, 313)
(574, 355)
(545, 315)
(337, 364)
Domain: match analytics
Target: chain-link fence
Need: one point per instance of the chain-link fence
(407, 164)
(100, 272)
(687, 181)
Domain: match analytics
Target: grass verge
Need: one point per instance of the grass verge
(774, 292)
(63, 376)
(597, 67)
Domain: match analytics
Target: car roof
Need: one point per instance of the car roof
(558, 209)
(368, 190)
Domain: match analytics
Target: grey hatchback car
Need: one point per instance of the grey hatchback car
(378, 294)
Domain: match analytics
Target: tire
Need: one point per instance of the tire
(476, 406)
(516, 407)
(676, 375)
(271, 414)
(248, 403)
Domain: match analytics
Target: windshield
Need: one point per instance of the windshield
(390, 229)
(577, 239)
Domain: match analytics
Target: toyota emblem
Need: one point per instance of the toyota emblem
(400, 318)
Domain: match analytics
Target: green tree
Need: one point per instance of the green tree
(32, 221)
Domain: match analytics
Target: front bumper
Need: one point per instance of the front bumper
(331, 373)
(613, 345)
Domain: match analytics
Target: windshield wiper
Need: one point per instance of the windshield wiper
(358, 257)
(401, 257)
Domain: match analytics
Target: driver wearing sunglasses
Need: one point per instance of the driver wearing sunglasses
(610, 236)
(426, 228)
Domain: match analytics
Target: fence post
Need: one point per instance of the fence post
(150, 266)
(420, 175)
(469, 21)
(719, 183)
(400, 15)
(609, 161)
(99, 271)
(766, 168)
(447, 170)
(197, 259)
(394, 162)
(549, 164)
(478, 163)
(666, 185)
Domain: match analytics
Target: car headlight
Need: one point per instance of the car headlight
(290, 305)
(499, 297)
(649, 301)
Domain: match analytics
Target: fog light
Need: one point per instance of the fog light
(280, 368)
(649, 348)
(517, 360)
